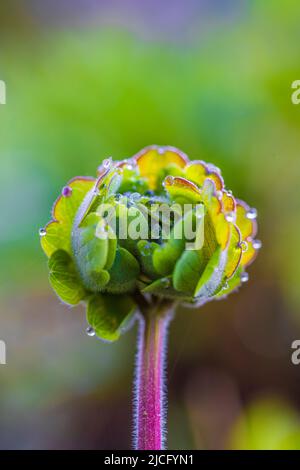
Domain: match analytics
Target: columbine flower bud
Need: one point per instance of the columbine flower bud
(156, 224)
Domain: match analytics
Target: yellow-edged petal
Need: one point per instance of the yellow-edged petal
(247, 227)
(58, 231)
(182, 189)
(234, 252)
(249, 255)
(151, 160)
(228, 202)
(197, 171)
(214, 208)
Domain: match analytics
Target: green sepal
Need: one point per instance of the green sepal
(108, 314)
(64, 278)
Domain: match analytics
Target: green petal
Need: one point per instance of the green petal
(182, 190)
(232, 284)
(212, 275)
(123, 273)
(234, 251)
(64, 278)
(188, 270)
(145, 253)
(126, 220)
(165, 257)
(92, 252)
(107, 314)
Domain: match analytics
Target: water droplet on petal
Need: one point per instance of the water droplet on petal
(90, 331)
(96, 190)
(199, 213)
(168, 180)
(42, 232)
(219, 195)
(107, 163)
(244, 277)
(244, 246)
(165, 281)
(66, 191)
(230, 216)
(226, 285)
(129, 165)
(135, 196)
(251, 213)
(146, 249)
(161, 150)
(257, 244)
(229, 192)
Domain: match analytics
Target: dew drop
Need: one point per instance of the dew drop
(42, 232)
(96, 191)
(219, 195)
(199, 213)
(229, 192)
(226, 285)
(230, 216)
(168, 180)
(146, 249)
(90, 331)
(161, 150)
(165, 281)
(244, 246)
(66, 191)
(129, 165)
(244, 277)
(135, 196)
(257, 244)
(251, 213)
(107, 163)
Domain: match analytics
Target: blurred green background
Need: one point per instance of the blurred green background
(89, 79)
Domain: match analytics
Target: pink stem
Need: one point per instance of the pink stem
(150, 411)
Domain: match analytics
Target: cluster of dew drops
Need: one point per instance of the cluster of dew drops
(251, 214)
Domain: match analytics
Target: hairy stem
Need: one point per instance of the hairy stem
(150, 406)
